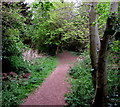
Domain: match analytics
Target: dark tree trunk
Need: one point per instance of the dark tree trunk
(101, 81)
(100, 99)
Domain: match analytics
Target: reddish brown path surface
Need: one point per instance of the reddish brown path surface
(52, 90)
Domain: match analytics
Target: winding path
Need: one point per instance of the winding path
(52, 90)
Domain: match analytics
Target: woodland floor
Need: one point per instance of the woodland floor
(52, 90)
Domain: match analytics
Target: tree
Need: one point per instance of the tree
(58, 27)
(13, 31)
(100, 99)
(94, 41)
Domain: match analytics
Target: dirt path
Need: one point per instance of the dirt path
(52, 90)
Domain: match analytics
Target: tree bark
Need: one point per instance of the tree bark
(100, 99)
(94, 41)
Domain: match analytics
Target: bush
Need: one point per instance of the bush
(82, 91)
(113, 80)
(18, 88)
(13, 32)
(15, 64)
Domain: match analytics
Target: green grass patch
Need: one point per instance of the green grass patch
(14, 90)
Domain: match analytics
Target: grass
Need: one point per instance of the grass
(14, 90)
(82, 93)
(75, 53)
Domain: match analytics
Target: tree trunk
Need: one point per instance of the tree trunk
(100, 99)
(94, 41)
(57, 49)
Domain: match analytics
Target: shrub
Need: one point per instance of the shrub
(81, 91)
(15, 64)
(18, 88)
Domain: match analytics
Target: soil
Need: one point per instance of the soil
(52, 90)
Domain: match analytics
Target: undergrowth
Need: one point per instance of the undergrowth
(113, 71)
(82, 93)
(15, 64)
(14, 90)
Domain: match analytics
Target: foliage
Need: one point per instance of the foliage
(13, 32)
(47, 26)
(16, 64)
(41, 26)
(113, 80)
(58, 26)
(114, 47)
(14, 90)
(103, 13)
(81, 91)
